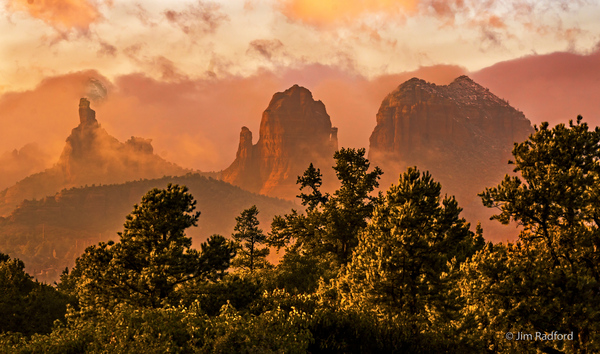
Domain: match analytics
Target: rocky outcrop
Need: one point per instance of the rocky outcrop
(418, 116)
(91, 156)
(295, 131)
(462, 133)
(87, 116)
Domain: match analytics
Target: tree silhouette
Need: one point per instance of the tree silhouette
(250, 237)
(154, 258)
(549, 280)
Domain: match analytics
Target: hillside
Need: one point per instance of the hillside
(49, 234)
(91, 156)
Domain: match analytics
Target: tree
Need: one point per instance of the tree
(250, 237)
(407, 260)
(313, 179)
(217, 254)
(26, 306)
(332, 222)
(321, 241)
(556, 198)
(154, 258)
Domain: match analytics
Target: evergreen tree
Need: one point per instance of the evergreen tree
(406, 264)
(321, 241)
(26, 306)
(250, 239)
(217, 254)
(549, 280)
(332, 222)
(153, 259)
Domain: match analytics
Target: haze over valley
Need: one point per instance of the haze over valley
(300, 176)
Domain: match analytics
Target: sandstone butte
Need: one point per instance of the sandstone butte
(91, 156)
(461, 132)
(295, 131)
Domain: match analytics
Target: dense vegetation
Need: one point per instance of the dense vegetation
(399, 271)
(49, 234)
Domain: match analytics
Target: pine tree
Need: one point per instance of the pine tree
(27, 306)
(321, 241)
(153, 259)
(332, 222)
(250, 238)
(407, 259)
(549, 280)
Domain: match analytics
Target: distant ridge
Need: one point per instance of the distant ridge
(48, 234)
(91, 156)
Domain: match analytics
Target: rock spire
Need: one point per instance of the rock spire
(295, 131)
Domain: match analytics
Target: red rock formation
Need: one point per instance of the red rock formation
(419, 115)
(87, 116)
(91, 156)
(462, 133)
(295, 130)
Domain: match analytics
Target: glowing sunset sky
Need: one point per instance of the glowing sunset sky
(198, 39)
(189, 74)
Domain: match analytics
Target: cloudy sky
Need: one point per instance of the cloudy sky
(189, 74)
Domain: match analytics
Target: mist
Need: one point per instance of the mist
(195, 123)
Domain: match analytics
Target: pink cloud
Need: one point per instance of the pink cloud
(196, 122)
(554, 88)
(61, 14)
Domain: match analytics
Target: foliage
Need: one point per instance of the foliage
(274, 331)
(216, 256)
(239, 290)
(249, 238)
(549, 280)
(26, 306)
(328, 232)
(406, 263)
(335, 329)
(127, 329)
(153, 260)
(299, 273)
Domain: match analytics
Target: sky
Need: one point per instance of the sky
(190, 74)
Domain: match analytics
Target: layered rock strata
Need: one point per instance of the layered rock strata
(295, 131)
(461, 132)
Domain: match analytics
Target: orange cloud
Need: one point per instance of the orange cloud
(496, 22)
(43, 115)
(265, 48)
(61, 14)
(325, 12)
(195, 123)
(197, 19)
(18, 164)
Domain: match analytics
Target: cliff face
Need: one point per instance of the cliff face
(462, 133)
(91, 156)
(295, 130)
(418, 116)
